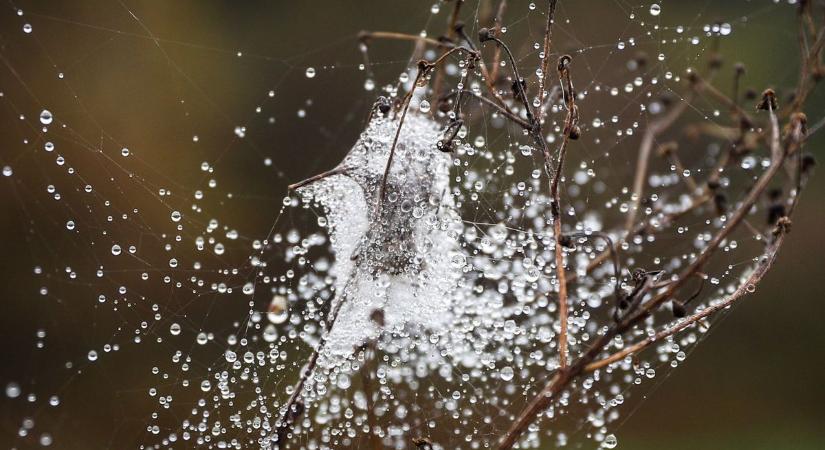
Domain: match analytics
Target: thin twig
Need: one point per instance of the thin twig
(545, 61)
(365, 36)
(765, 262)
(570, 130)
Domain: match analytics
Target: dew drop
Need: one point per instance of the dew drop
(610, 441)
(12, 390)
(46, 117)
(507, 373)
(277, 312)
(45, 439)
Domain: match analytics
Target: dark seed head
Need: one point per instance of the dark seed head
(739, 68)
(383, 105)
(808, 162)
(679, 310)
(768, 101)
(575, 133)
(564, 61)
(484, 35)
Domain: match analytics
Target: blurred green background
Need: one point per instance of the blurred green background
(754, 383)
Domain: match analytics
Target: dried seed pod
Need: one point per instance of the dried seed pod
(485, 34)
(768, 101)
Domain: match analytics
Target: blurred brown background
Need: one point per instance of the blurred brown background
(755, 382)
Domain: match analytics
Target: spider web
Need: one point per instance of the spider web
(165, 287)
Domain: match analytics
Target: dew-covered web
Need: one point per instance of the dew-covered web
(168, 290)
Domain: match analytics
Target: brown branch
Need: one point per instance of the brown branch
(545, 61)
(451, 25)
(497, 21)
(570, 130)
(294, 406)
(422, 67)
(765, 263)
(566, 374)
(507, 113)
(313, 179)
(645, 149)
(365, 36)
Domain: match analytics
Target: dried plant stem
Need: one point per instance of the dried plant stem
(673, 155)
(566, 374)
(294, 405)
(424, 68)
(439, 76)
(505, 112)
(810, 64)
(405, 105)
(645, 149)
(391, 35)
(320, 176)
(561, 275)
(543, 400)
(777, 160)
(570, 127)
(497, 21)
(765, 262)
(545, 61)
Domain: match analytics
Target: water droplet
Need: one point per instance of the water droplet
(610, 441)
(507, 373)
(424, 106)
(12, 390)
(176, 215)
(46, 117)
(725, 29)
(310, 73)
(174, 329)
(655, 9)
(7, 171)
(116, 250)
(27, 28)
(92, 355)
(278, 311)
